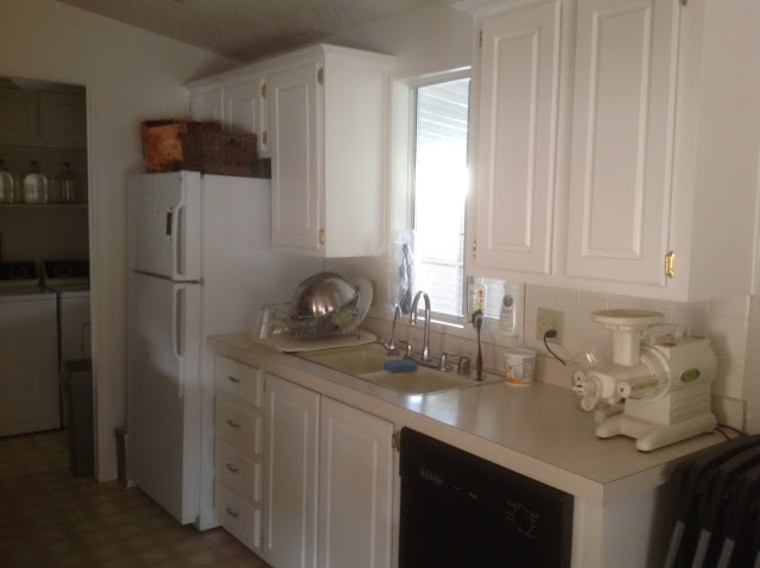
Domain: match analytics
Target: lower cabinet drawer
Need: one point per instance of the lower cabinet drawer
(239, 380)
(237, 471)
(238, 424)
(238, 516)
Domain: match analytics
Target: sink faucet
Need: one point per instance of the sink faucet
(413, 320)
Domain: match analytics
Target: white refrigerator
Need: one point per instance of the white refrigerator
(200, 263)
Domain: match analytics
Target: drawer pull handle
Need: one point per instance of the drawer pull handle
(232, 512)
(232, 468)
(233, 379)
(233, 423)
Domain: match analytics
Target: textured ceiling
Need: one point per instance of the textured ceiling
(247, 29)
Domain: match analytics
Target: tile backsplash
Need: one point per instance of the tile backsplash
(725, 321)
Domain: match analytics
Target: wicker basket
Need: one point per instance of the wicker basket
(172, 145)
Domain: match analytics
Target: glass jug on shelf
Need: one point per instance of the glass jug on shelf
(7, 190)
(66, 185)
(34, 185)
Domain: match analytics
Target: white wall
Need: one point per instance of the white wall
(130, 75)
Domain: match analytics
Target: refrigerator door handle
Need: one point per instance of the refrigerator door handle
(179, 307)
(170, 223)
(176, 217)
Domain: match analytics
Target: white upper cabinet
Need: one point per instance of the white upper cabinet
(327, 123)
(622, 139)
(663, 179)
(244, 106)
(206, 104)
(297, 197)
(652, 167)
(518, 77)
(238, 102)
(320, 113)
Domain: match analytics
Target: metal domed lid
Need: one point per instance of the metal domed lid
(323, 294)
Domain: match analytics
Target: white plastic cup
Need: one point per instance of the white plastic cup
(520, 363)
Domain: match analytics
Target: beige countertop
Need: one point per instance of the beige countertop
(534, 430)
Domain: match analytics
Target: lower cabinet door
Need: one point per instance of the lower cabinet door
(355, 488)
(290, 478)
(238, 516)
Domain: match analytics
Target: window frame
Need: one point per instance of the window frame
(403, 159)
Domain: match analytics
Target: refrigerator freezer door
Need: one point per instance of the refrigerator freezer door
(165, 225)
(164, 394)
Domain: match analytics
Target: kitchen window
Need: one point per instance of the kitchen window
(436, 188)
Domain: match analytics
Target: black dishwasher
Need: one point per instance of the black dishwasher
(460, 510)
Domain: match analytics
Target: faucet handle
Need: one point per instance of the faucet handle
(444, 365)
(408, 351)
(389, 346)
(463, 366)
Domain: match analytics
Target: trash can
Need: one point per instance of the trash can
(76, 387)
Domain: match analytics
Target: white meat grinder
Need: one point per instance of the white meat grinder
(657, 389)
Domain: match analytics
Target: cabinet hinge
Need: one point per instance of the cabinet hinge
(321, 76)
(264, 138)
(474, 248)
(322, 237)
(670, 264)
(480, 39)
(263, 90)
(396, 440)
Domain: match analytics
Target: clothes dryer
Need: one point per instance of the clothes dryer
(29, 398)
(70, 280)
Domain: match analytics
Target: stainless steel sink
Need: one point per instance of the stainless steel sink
(366, 362)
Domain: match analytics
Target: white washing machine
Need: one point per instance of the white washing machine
(29, 394)
(70, 280)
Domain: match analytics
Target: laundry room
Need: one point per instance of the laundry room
(44, 250)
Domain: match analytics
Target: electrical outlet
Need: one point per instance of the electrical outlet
(547, 319)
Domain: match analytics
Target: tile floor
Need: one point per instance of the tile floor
(50, 519)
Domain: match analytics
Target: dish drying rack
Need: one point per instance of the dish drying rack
(277, 328)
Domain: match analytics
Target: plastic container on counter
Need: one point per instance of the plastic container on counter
(520, 363)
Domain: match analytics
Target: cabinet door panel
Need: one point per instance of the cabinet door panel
(18, 112)
(244, 110)
(63, 120)
(622, 148)
(356, 478)
(291, 474)
(519, 74)
(293, 109)
(207, 105)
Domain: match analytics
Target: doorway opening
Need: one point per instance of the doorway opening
(44, 229)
